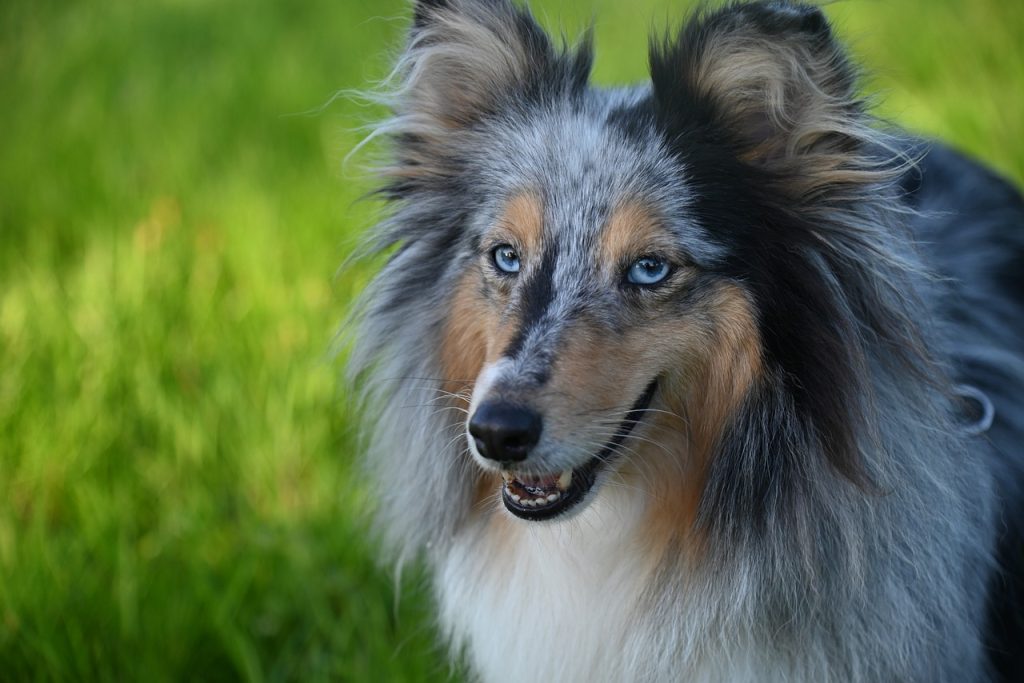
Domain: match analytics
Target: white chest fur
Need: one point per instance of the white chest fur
(564, 602)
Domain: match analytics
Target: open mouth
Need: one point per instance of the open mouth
(537, 497)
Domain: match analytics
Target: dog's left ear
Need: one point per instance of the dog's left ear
(770, 80)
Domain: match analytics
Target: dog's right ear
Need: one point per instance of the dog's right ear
(467, 58)
(425, 9)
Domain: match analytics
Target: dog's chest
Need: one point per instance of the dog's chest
(567, 602)
(541, 602)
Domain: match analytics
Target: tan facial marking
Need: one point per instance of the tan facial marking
(523, 219)
(468, 335)
(734, 362)
(464, 343)
(632, 231)
(522, 224)
(709, 399)
(474, 333)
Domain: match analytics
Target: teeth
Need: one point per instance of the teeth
(518, 488)
(535, 502)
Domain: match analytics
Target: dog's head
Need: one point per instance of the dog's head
(629, 279)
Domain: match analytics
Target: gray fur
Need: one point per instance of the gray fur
(840, 580)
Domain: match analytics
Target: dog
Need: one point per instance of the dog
(711, 379)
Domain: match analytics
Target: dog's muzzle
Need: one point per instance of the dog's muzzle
(506, 433)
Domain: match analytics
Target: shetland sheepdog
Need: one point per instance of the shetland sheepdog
(712, 379)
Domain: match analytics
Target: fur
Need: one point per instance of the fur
(787, 482)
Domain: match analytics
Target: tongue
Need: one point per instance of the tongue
(538, 482)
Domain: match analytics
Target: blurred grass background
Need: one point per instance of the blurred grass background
(179, 497)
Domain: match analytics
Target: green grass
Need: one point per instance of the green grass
(179, 491)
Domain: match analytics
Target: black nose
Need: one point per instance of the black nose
(505, 432)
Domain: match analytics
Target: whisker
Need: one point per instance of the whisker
(582, 448)
(412, 379)
(435, 411)
(608, 436)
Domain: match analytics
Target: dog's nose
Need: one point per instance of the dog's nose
(505, 432)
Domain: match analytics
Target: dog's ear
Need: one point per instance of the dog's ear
(769, 79)
(467, 58)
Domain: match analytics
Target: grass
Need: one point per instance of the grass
(179, 491)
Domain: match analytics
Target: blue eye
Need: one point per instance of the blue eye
(648, 270)
(506, 258)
